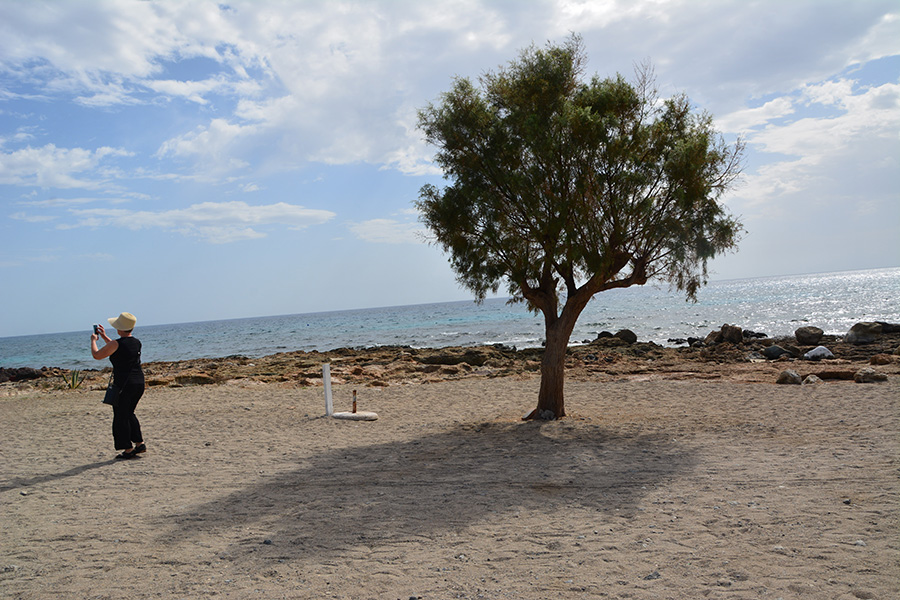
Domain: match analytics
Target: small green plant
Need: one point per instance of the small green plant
(74, 380)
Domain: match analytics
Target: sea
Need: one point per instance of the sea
(775, 306)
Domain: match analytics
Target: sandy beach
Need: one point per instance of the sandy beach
(668, 479)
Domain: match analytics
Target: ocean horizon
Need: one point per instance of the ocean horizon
(774, 305)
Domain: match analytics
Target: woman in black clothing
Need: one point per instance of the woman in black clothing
(125, 356)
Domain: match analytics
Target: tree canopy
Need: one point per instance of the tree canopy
(562, 188)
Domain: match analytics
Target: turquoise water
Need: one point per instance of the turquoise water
(772, 305)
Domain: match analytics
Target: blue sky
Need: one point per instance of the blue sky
(192, 160)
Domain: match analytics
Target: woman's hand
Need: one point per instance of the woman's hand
(104, 352)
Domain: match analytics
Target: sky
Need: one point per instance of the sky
(191, 160)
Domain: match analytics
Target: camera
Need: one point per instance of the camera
(96, 330)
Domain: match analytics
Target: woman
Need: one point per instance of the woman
(125, 356)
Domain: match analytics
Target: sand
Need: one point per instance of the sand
(651, 488)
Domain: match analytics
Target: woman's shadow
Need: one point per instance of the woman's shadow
(24, 482)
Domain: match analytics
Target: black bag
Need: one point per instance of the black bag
(112, 394)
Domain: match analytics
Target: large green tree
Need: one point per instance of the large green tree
(564, 188)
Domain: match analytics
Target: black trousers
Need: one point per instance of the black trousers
(126, 428)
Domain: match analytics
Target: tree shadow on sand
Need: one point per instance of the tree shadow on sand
(418, 489)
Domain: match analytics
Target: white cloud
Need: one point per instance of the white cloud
(389, 231)
(873, 113)
(215, 222)
(196, 91)
(52, 167)
(749, 118)
(22, 216)
(849, 157)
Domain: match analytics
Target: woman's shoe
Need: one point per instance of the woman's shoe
(126, 456)
(139, 448)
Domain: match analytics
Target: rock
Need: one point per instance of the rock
(194, 379)
(729, 333)
(818, 353)
(446, 357)
(897, 351)
(754, 334)
(864, 332)
(881, 359)
(889, 327)
(808, 335)
(789, 377)
(755, 357)
(869, 375)
(811, 379)
(626, 335)
(774, 351)
(732, 334)
(19, 374)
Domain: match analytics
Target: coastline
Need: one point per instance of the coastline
(604, 359)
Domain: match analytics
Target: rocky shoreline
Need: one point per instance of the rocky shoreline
(728, 353)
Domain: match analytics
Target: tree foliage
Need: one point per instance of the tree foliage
(562, 188)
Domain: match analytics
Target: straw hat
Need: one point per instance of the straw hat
(124, 322)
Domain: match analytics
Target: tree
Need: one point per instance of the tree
(564, 188)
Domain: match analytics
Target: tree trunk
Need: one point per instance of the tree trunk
(551, 404)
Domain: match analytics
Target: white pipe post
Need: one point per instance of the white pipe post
(326, 379)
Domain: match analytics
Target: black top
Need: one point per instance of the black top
(126, 362)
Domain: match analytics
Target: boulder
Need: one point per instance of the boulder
(808, 335)
(774, 351)
(729, 333)
(811, 379)
(818, 353)
(897, 351)
(864, 332)
(789, 377)
(732, 334)
(19, 374)
(889, 327)
(869, 375)
(626, 335)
